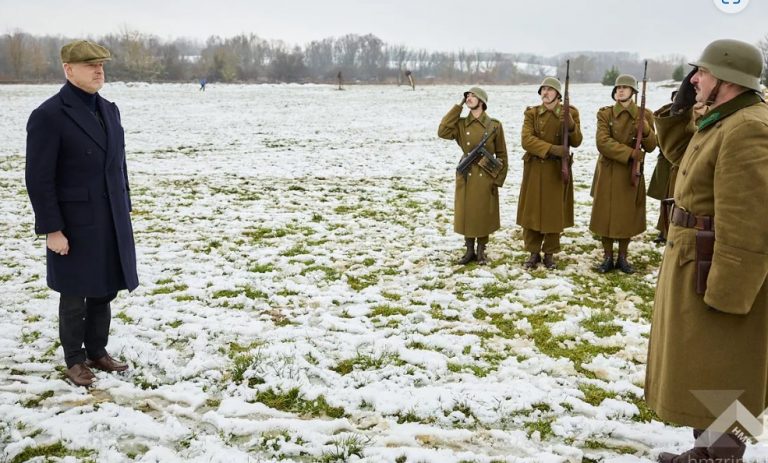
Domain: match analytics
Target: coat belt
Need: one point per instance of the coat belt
(683, 218)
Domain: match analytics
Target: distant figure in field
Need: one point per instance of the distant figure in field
(338, 77)
(202, 84)
(476, 199)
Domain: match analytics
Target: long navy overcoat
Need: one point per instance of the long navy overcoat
(77, 181)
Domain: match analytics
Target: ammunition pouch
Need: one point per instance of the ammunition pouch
(490, 164)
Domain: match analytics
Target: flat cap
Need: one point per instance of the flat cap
(83, 51)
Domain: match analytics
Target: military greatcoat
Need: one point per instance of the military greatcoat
(717, 341)
(476, 199)
(618, 208)
(546, 203)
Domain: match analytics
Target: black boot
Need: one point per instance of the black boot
(533, 261)
(727, 448)
(549, 261)
(482, 259)
(607, 264)
(469, 256)
(660, 240)
(623, 265)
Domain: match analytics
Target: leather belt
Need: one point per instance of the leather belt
(683, 218)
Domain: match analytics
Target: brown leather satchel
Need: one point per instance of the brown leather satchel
(705, 248)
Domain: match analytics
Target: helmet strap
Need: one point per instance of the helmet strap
(713, 94)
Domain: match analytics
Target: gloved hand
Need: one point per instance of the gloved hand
(556, 150)
(685, 97)
(647, 127)
(571, 122)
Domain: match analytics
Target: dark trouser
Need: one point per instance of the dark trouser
(536, 241)
(84, 321)
(608, 246)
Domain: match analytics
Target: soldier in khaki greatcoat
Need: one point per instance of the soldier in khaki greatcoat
(546, 204)
(476, 200)
(708, 344)
(618, 208)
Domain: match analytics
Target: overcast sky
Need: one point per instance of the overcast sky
(651, 28)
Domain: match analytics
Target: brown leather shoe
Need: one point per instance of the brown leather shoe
(80, 375)
(106, 363)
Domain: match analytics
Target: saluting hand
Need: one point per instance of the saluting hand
(685, 96)
(462, 101)
(57, 243)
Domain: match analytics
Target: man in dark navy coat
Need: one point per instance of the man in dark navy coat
(78, 184)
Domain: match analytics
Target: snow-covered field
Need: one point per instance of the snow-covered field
(300, 302)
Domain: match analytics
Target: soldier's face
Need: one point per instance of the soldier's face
(548, 95)
(473, 102)
(703, 82)
(623, 93)
(85, 76)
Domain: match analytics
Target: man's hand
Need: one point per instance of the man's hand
(556, 150)
(685, 97)
(462, 101)
(637, 156)
(57, 243)
(571, 122)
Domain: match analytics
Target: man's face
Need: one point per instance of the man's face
(623, 93)
(86, 76)
(548, 95)
(703, 82)
(473, 102)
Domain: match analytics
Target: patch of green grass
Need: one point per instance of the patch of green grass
(30, 336)
(33, 318)
(293, 402)
(497, 290)
(331, 274)
(391, 296)
(261, 268)
(249, 292)
(55, 450)
(437, 312)
(362, 282)
(297, 250)
(597, 445)
(601, 324)
(595, 395)
(35, 402)
(184, 298)
(260, 233)
(175, 323)
(367, 362)
(387, 311)
(542, 425)
(344, 448)
(169, 289)
(344, 209)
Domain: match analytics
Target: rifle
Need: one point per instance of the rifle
(565, 160)
(476, 153)
(637, 165)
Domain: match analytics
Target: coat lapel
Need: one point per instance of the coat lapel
(79, 113)
(107, 114)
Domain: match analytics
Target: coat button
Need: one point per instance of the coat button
(467, 143)
(481, 174)
(105, 195)
(670, 243)
(685, 171)
(467, 133)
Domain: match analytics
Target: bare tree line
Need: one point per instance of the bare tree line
(359, 59)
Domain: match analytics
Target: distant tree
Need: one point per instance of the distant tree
(678, 73)
(16, 51)
(609, 78)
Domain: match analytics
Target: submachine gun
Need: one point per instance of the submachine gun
(486, 159)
